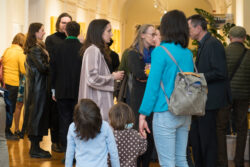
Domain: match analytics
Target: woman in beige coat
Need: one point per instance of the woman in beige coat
(96, 81)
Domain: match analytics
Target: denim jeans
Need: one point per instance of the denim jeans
(171, 136)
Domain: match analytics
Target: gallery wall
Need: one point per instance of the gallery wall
(16, 15)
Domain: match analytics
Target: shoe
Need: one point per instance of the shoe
(57, 148)
(63, 161)
(39, 153)
(10, 136)
(19, 134)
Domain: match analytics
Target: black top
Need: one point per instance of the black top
(136, 68)
(211, 61)
(115, 61)
(53, 40)
(66, 69)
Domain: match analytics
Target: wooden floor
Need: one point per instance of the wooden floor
(19, 155)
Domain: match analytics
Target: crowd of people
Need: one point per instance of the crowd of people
(67, 85)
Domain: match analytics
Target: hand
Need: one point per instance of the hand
(54, 98)
(143, 125)
(81, 38)
(118, 75)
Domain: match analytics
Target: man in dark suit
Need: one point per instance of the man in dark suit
(51, 42)
(211, 61)
(65, 69)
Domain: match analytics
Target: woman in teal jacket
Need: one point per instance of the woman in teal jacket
(170, 131)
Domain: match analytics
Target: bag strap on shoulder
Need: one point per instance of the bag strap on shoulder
(238, 64)
(172, 57)
(166, 97)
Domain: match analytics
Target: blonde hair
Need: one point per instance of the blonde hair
(138, 41)
(120, 115)
(19, 39)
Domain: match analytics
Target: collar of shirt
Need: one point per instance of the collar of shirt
(72, 37)
(201, 42)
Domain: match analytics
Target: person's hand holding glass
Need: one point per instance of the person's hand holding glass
(147, 68)
(118, 75)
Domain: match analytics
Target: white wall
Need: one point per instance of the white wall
(246, 15)
(12, 21)
(3, 27)
(143, 12)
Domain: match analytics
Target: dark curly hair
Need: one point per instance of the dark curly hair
(73, 29)
(87, 119)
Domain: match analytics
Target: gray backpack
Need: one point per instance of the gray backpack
(190, 92)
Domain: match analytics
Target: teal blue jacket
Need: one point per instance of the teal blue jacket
(164, 69)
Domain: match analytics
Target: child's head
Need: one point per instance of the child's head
(120, 116)
(87, 119)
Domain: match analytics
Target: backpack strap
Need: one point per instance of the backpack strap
(171, 56)
(166, 97)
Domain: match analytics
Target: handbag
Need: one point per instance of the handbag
(190, 92)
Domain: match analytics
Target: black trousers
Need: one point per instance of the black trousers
(65, 110)
(35, 139)
(13, 90)
(203, 139)
(54, 122)
(240, 110)
(144, 159)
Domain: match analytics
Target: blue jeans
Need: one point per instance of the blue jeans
(171, 135)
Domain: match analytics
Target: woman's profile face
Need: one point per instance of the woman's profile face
(157, 37)
(107, 34)
(40, 33)
(148, 36)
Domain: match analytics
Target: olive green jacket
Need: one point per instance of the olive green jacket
(240, 83)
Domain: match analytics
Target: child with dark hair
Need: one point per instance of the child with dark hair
(90, 138)
(129, 142)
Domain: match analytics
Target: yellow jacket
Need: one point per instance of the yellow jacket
(13, 64)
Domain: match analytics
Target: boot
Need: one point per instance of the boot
(9, 135)
(37, 152)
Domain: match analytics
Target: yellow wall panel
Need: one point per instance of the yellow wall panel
(83, 30)
(53, 24)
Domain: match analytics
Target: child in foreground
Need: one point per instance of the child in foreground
(90, 139)
(129, 142)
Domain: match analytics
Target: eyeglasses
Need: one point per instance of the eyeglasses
(153, 34)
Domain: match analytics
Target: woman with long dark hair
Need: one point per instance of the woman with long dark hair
(170, 131)
(36, 90)
(96, 81)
